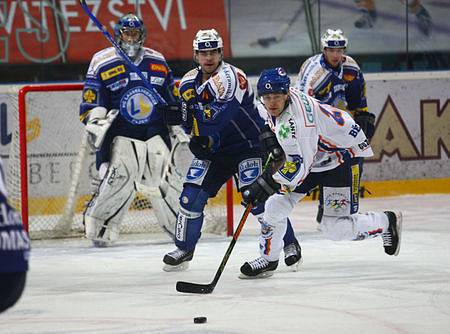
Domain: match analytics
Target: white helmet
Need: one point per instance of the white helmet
(334, 39)
(207, 40)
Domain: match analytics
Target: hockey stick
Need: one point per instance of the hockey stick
(267, 41)
(124, 56)
(209, 288)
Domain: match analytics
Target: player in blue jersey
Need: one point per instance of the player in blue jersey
(336, 79)
(14, 249)
(124, 125)
(219, 111)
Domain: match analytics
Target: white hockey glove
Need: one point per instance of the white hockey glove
(98, 124)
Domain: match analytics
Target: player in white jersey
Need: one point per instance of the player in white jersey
(323, 147)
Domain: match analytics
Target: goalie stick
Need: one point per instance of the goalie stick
(124, 56)
(189, 287)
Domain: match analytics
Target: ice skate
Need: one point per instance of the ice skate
(392, 237)
(177, 260)
(259, 268)
(293, 255)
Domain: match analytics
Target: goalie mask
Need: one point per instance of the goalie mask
(334, 39)
(130, 34)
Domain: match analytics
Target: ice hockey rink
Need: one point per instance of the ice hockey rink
(342, 287)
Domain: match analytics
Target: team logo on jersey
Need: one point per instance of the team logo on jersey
(112, 72)
(89, 96)
(197, 171)
(291, 168)
(137, 104)
(249, 170)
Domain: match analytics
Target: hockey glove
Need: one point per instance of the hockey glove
(201, 147)
(270, 145)
(260, 190)
(98, 124)
(366, 120)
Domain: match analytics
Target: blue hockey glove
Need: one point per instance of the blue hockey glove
(366, 120)
(260, 190)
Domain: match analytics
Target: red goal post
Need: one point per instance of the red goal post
(49, 135)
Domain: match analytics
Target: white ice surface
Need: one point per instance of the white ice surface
(343, 287)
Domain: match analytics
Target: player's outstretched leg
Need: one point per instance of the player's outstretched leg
(392, 237)
(258, 268)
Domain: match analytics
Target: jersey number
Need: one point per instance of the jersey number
(332, 112)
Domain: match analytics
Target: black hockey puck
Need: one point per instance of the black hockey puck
(199, 320)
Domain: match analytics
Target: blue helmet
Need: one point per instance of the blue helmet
(130, 23)
(274, 80)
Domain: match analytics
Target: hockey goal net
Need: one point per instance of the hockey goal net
(51, 168)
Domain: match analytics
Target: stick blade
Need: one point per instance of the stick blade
(188, 287)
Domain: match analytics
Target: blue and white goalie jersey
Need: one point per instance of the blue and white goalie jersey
(223, 107)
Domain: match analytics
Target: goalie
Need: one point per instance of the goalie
(128, 133)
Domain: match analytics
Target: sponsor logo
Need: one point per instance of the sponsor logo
(196, 170)
(336, 201)
(135, 77)
(157, 81)
(159, 68)
(137, 105)
(365, 144)
(115, 71)
(308, 109)
(283, 132)
(89, 96)
(249, 170)
(118, 84)
(242, 81)
(219, 85)
(188, 94)
(292, 127)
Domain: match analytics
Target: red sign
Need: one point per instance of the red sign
(38, 32)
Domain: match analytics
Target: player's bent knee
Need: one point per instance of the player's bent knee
(278, 207)
(193, 199)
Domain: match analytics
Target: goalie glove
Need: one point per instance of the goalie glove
(270, 145)
(98, 124)
(366, 120)
(260, 190)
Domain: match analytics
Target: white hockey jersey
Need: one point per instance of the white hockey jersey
(315, 137)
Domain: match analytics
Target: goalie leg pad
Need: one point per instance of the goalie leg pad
(116, 190)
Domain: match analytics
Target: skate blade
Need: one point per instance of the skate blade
(265, 274)
(296, 266)
(181, 267)
(399, 216)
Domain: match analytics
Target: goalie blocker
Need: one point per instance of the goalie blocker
(135, 166)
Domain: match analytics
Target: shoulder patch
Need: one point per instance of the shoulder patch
(90, 96)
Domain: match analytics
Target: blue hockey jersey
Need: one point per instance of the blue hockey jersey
(113, 84)
(14, 241)
(224, 108)
(343, 87)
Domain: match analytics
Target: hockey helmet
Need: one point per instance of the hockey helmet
(274, 80)
(207, 40)
(130, 23)
(334, 39)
